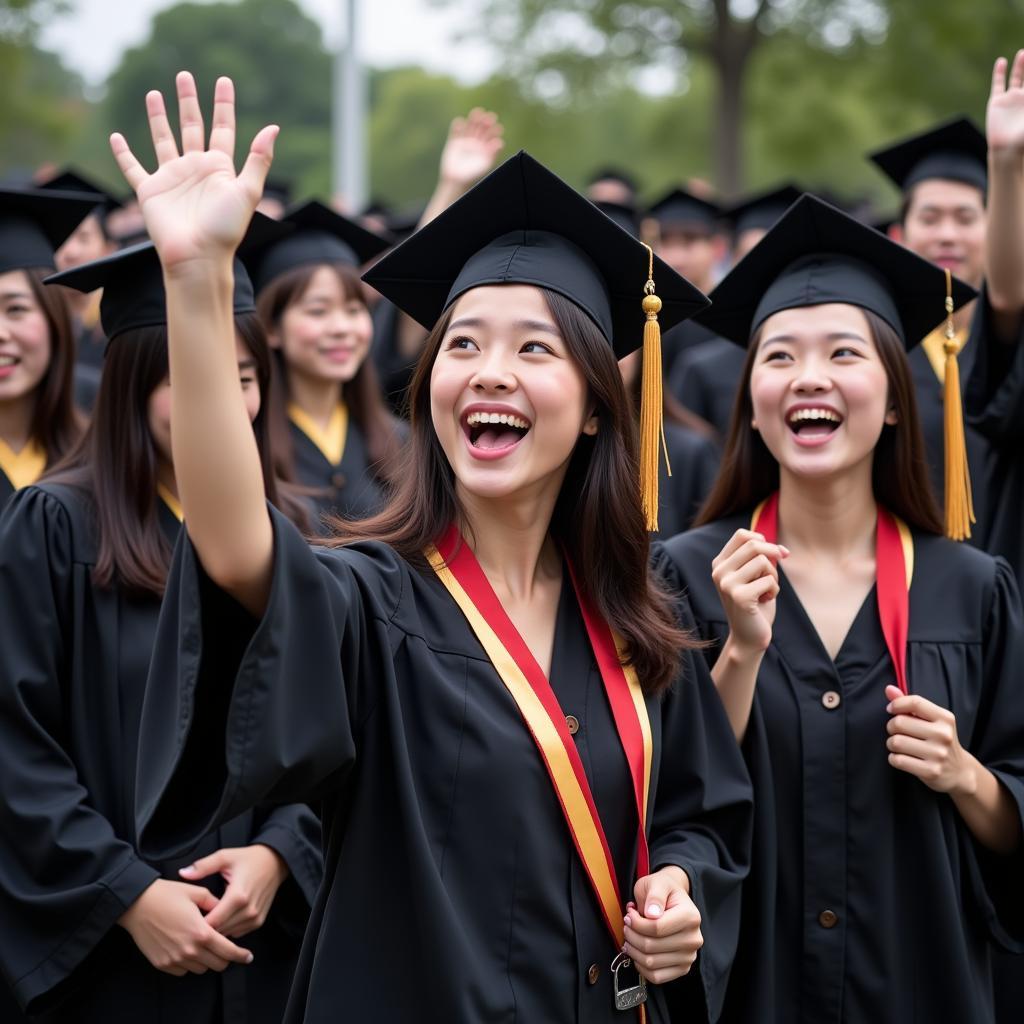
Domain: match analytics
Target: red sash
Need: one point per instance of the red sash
(457, 568)
(894, 568)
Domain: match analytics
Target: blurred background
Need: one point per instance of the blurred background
(737, 93)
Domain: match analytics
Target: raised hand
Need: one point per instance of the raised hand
(195, 206)
(747, 577)
(472, 148)
(1004, 118)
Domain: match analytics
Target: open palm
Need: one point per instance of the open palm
(1004, 119)
(195, 206)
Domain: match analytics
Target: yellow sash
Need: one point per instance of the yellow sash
(24, 467)
(331, 441)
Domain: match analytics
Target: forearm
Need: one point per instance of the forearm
(735, 677)
(987, 809)
(1004, 245)
(216, 460)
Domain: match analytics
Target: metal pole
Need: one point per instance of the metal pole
(349, 114)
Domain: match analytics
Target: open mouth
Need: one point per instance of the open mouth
(813, 422)
(8, 363)
(494, 431)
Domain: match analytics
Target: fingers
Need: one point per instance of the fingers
(223, 947)
(908, 725)
(257, 164)
(911, 746)
(134, 173)
(222, 134)
(1017, 71)
(206, 866)
(190, 115)
(681, 917)
(761, 590)
(237, 914)
(165, 147)
(998, 77)
(912, 704)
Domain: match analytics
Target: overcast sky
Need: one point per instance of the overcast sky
(93, 36)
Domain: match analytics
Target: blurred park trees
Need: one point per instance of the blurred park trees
(580, 83)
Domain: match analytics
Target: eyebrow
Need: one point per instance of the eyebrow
(7, 296)
(526, 325)
(247, 364)
(834, 336)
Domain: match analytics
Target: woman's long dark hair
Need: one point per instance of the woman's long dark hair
(116, 460)
(749, 472)
(56, 423)
(597, 519)
(363, 394)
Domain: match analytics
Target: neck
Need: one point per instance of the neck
(316, 397)
(511, 541)
(165, 476)
(835, 517)
(16, 422)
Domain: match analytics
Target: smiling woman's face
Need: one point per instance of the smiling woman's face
(819, 391)
(507, 400)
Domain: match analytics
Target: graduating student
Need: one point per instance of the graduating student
(38, 419)
(515, 749)
(946, 177)
(870, 666)
(333, 434)
(92, 931)
(704, 378)
(685, 231)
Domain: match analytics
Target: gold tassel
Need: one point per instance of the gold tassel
(959, 500)
(652, 427)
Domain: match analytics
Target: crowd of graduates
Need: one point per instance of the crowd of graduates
(457, 617)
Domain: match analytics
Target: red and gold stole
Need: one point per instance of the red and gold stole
(457, 568)
(894, 569)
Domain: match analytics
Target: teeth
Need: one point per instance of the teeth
(814, 414)
(475, 419)
(7, 360)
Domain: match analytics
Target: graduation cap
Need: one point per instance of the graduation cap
(761, 211)
(523, 225)
(34, 223)
(317, 235)
(132, 280)
(955, 151)
(816, 254)
(680, 207)
(70, 180)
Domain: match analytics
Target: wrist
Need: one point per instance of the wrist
(1006, 160)
(967, 783)
(739, 654)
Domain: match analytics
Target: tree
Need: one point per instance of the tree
(586, 40)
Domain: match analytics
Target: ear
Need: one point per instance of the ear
(891, 419)
(591, 424)
(274, 339)
(895, 232)
(753, 424)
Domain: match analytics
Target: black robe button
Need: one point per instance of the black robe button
(828, 919)
(573, 724)
(593, 973)
(831, 700)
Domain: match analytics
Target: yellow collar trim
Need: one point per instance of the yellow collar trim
(171, 502)
(331, 441)
(24, 467)
(933, 345)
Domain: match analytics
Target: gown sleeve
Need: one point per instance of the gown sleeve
(263, 711)
(998, 743)
(293, 832)
(703, 811)
(65, 876)
(994, 391)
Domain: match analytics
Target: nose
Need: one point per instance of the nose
(493, 374)
(811, 378)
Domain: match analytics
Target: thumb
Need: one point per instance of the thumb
(893, 693)
(202, 898)
(652, 894)
(214, 864)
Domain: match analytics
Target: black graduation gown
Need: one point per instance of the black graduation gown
(705, 378)
(6, 490)
(694, 461)
(919, 904)
(347, 488)
(92, 345)
(73, 666)
(453, 892)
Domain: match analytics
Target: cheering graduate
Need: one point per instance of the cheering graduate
(514, 747)
(960, 210)
(704, 378)
(92, 931)
(333, 433)
(870, 666)
(38, 420)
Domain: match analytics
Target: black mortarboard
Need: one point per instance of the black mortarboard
(70, 180)
(278, 189)
(954, 151)
(133, 283)
(625, 216)
(523, 225)
(36, 222)
(318, 235)
(680, 207)
(817, 254)
(761, 211)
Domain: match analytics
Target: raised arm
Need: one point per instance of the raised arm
(196, 210)
(1004, 256)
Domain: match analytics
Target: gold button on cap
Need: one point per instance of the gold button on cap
(831, 700)
(573, 724)
(593, 973)
(828, 919)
